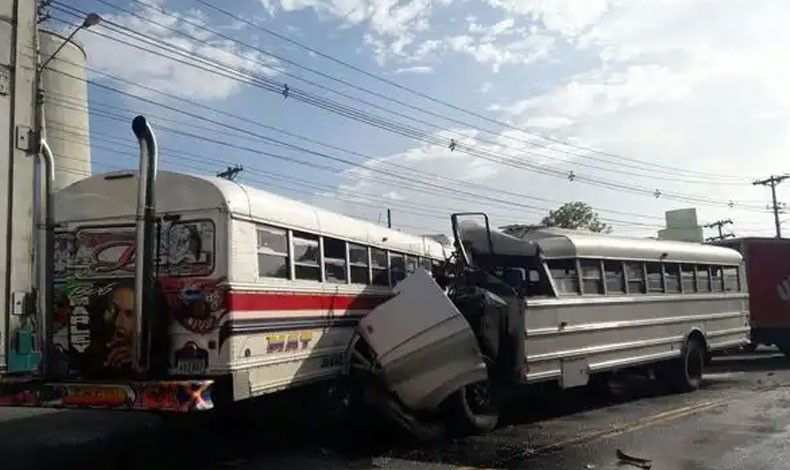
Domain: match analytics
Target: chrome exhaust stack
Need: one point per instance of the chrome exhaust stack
(144, 235)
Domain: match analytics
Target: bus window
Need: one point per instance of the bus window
(378, 259)
(397, 268)
(635, 274)
(425, 263)
(306, 256)
(334, 260)
(672, 277)
(703, 279)
(716, 279)
(563, 271)
(687, 278)
(731, 279)
(615, 282)
(411, 264)
(654, 278)
(358, 255)
(592, 281)
(272, 252)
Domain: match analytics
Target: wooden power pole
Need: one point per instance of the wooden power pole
(772, 182)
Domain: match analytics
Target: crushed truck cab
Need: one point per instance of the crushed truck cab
(431, 357)
(423, 346)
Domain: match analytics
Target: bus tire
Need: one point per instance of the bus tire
(686, 372)
(473, 409)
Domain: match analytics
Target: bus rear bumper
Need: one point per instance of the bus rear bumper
(179, 396)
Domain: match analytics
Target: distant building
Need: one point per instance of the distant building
(682, 226)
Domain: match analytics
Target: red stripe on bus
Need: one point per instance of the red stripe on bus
(251, 301)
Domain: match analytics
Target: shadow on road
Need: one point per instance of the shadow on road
(299, 423)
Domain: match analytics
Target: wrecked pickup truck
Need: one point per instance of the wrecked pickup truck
(554, 305)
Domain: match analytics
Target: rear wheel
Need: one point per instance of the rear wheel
(474, 408)
(685, 374)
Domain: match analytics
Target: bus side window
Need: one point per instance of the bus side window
(272, 252)
(358, 256)
(306, 256)
(397, 268)
(592, 281)
(334, 260)
(411, 264)
(703, 278)
(687, 278)
(655, 282)
(635, 274)
(566, 279)
(731, 279)
(716, 279)
(378, 267)
(615, 282)
(425, 263)
(672, 277)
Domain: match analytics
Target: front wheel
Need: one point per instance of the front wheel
(474, 408)
(685, 374)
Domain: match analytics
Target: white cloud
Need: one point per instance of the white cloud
(417, 70)
(269, 6)
(674, 82)
(486, 87)
(523, 51)
(385, 17)
(138, 66)
(567, 17)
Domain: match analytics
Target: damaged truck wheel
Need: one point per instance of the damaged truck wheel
(474, 408)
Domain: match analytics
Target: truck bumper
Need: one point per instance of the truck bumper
(164, 395)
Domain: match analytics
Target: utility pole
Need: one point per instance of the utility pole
(719, 224)
(772, 182)
(389, 218)
(19, 139)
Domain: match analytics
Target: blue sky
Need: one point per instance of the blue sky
(692, 84)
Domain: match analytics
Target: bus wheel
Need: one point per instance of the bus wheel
(686, 374)
(474, 408)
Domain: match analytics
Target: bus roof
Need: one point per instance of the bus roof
(114, 195)
(553, 243)
(560, 243)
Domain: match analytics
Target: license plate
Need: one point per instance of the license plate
(95, 395)
(190, 366)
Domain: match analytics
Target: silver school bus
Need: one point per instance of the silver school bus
(556, 305)
(598, 303)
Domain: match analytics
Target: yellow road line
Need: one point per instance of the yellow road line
(615, 430)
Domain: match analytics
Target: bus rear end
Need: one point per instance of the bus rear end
(131, 292)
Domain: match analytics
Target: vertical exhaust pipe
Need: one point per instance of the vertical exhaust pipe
(144, 248)
(46, 253)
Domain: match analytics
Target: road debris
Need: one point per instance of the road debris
(631, 460)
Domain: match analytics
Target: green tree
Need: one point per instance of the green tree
(575, 215)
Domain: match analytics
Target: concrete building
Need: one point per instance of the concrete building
(682, 225)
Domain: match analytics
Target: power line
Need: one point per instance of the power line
(437, 100)
(404, 167)
(410, 132)
(407, 179)
(380, 95)
(202, 159)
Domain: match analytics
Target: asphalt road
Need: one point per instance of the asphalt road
(740, 419)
